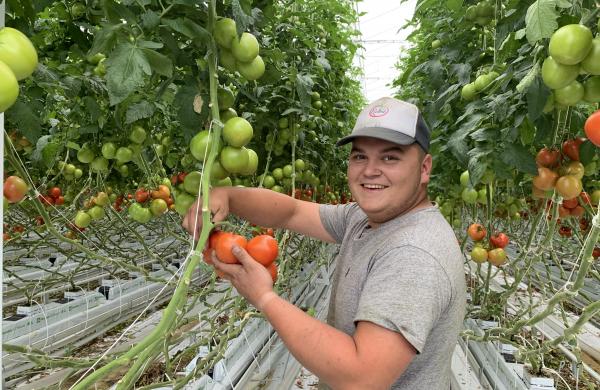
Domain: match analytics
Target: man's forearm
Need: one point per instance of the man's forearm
(260, 206)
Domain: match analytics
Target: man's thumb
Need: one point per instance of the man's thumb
(241, 254)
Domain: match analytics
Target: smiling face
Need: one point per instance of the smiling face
(387, 179)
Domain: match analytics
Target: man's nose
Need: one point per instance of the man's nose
(372, 168)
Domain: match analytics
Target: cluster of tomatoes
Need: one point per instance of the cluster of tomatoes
(496, 254)
(160, 200)
(565, 177)
(53, 197)
(263, 248)
(238, 54)
(18, 60)
(16, 229)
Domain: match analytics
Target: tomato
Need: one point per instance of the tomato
(570, 203)
(101, 199)
(192, 182)
(596, 253)
(123, 155)
(234, 160)
(252, 70)
(570, 44)
(569, 95)
(96, 212)
(109, 150)
(46, 200)
(270, 232)
(163, 192)
(300, 165)
(574, 168)
(592, 128)
(569, 186)
(18, 229)
(225, 243)
(499, 240)
(252, 163)
(436, 44)
(591, 63)
(565, 231)
(227, 114)
(5, 236)
(59, 200)
(85, 154)
(224, 32)
(591, 90)
(272, 268)
(227, 60)
(468, 92)
(82, 219)
(268, 181)
(217, 171)
(497, 256)
(479, 254)
(183, 201)
(482, 81)
(469, 195)
(139, 214)
(237, 132)
(263, 249)
(141, 195)
(99, 164)
(563, 212)
(9, 87)
(158, 206)
(585, 198)
(225, 98)
(578, 211)
(547, 157)
(138, 134)
(200, 145)
(15, 189)
(17, 52)
(54, 192)
(556, 75)
(246, 48)
(464, 179)
(476, 231)
(570, 148)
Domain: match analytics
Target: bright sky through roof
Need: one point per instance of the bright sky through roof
(382, 42)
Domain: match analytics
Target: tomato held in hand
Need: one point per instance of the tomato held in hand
(263, 248)
(272, 268)
(476, 231)
(225, 243)
(499, 240)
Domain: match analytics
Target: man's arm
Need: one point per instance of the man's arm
(373, 358)
(269, 208)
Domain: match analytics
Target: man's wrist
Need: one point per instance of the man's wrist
(265, 300)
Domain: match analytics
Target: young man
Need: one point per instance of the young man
(398, 295)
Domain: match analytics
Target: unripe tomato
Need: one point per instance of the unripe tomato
(138, 134)
(15, 189)
(476, 231)
(9, 87)
(497, 257)
(225, 31)
(569, 186)
(252, 163)
(499, 240)
(123, 155)
(469, 195)
(225, 98)
(591, 62)
(96, 212)
(436, 44)
(237, 132)
(200, 145)
(109, 150)
(246, 48)
(234, 160)
(479, 254)
(252, 70)
(464, 179)
(545, 179)
(158, 207)
(570, 44)
(556, 75)
(591, 89)
(227, 60)
(263, 248)
(191, 183)
(82, 219)
(224, 245)
(227, 114)
(17, 52)
(85, 154)
(574, 168)
(569, 95)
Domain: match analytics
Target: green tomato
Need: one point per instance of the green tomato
(277, 189)
(283, 123)
(109, 150)
(481, 82)
(191, 183)
(82, 219)
(227, 60)
(140, 214)
(287, 171)
(225, 31)
(252, 70)
(479, 254)
(252, 163)
(464, 179)
(237, 132)
(482, 196)
(469, 195)
(200, 145)
(158, 207)
(468, 92)
(317, 104)
(96, 58)
(17, 52)
(246, 48)
(218, 172)
(591, 63)
(299, 164)
(278, 174)
(123, 170)
(138, 134)
(223, 183)
(100, 165)
(96, 212)
(569, 95)
(436, 44)
(225, 98)
(183, 201)
(556, 75)
(591, 89)
(123, 155)
(85, 155)
(9, 87)
(233, 159)
(570, 44)
(269, 181)
(227, 114)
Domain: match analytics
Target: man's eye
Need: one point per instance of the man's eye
(357, 157)
(390, 158)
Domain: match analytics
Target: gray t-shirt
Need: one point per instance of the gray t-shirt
(407, 276)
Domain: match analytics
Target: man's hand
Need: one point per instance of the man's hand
(219, 209)
(250, 278)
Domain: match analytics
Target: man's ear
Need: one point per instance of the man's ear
(426, 165)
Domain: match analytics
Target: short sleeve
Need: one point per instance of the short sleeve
(406, 291)
(335, 218)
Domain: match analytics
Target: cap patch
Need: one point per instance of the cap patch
(378, 111)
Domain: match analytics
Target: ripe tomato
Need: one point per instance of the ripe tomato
(547, 158)
(9, 87)
(476, 231)
(270, 232)
(141, 195)
(570, 44)
(545, 179)
(5, 236)
(570, 148)
(578, 211)
(15, 189)
(497, 256)
(54, 192)
(596, 253)
(569, 186)
(163, 193)
(59, 200)
(224, 245)
(206, 256)
(592, 128)
(570, 203)
(245, 49)
(585, 198)
(17, 52)
(272, 268)
(499, 240)
(263, 249)
(479, 254)
(565, 231)
(563, 212)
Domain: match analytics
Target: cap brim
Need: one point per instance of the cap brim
(379, 133)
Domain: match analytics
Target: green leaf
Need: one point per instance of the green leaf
(125, 69)
(188, 28)
(587, 151)
(115, 12)
(519, 157)
(50, 153)
(304, 84)
(537, 94)
(242, 19)
(454, 5)
(105, 39)
(150, 20)
(184, 101)
(26, 120)
(73, 145)
(526, 132)
(541, 20)
(139, 111)
(161, 64)
(529, 78)
(149, 44)
(89, 129)
(92, 108)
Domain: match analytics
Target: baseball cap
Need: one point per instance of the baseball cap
(391, 120)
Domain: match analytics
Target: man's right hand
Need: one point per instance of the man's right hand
(219, 209)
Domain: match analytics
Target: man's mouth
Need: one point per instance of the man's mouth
(373, 186)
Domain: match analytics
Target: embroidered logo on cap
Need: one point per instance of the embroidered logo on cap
(378, 111)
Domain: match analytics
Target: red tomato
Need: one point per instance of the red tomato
(214, 237)
(547, 158)
(59, 200)
(141, 195)
(585, 198)
(206, 256)
(54, 192)
(5, 237)
(563, 212)
(224, 245)
(272, 268)
(476, 231)
(570, 148)
(15, 189)
(46, 200)
(263, 249)
(570, 203)
(499, 240)
(270, 232)
(592, 128)
(578, 211)
(596, 253)
(19, 229)
(565, 231)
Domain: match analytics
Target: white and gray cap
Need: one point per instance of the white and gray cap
(391, 120)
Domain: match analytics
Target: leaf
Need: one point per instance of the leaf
(519, 157)
(540, 20)
(529, 78)
(242, 19)
(125, 69)
(50, 153)
(92, 108)
(26, 120)
(290, 110)
(105, 39)
(537, 95)
(188, 28)
(150, 20)
(159, 63)
(139, 111)
(184, 102)
(462, 72)
(116, 12)
(454, 5)
(526, 133)
(304, 84)
(89, 129)
(587, 151)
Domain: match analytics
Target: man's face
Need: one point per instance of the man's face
(387, 179)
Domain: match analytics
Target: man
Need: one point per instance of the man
(398, 294)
